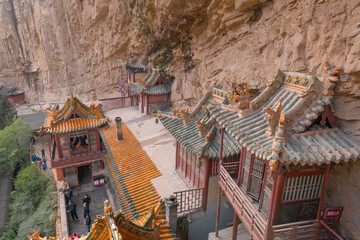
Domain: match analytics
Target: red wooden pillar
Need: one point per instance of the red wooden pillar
(57, 141)
(147, 104)
(98, 140)
(241, 168)
(219, 190)
(206, 183)
(323, 192)
(278, 195)
(268, 231)
(235, 226)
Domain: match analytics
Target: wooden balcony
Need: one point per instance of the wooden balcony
(77, 158)
(253, 220)
(298, 230)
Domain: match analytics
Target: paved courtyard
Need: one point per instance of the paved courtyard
(98, 196)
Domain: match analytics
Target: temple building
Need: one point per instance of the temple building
(198, 141)
(132, 70)
(284, 144)
(12, 94)
(75, 147)
(153, 90)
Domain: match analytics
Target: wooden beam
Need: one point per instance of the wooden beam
(323, 188)
(268, 229)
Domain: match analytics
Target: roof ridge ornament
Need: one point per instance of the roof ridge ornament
(330, 76)
(239, 101)
(272, 118)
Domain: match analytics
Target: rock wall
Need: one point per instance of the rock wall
(51, 48)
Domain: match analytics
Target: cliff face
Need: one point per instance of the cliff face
(52, 48)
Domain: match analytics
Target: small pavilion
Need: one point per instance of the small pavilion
(154, 91)
(75, 147)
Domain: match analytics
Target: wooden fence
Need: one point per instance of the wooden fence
(119, 102)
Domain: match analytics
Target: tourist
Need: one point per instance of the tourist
(74, 236)
(87, 199)
(33, 158)
(44, 165)
(39, 164)
(42, 153)
(72, 210)
(87, 222)
(86, 210)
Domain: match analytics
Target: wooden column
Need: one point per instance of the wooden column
(69, 148)
(49, 143)
(278, 195)
(323, 188)
(98, 140)
(241, 168)
(88, 138)
(219, 190)
(235, 226)
(206, 183)
(147, 104)
(57, 141)
(268, 231)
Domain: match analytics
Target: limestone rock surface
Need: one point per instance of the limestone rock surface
(51, 48)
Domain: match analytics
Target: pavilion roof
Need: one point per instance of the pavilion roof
(198, 133)
(61, 121)
(130, 172)
(297, 136)
(131, 63)
(154, 83)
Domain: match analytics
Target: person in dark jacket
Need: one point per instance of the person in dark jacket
(86, 210)
(72, 210)
(87, 222)
(87, 200)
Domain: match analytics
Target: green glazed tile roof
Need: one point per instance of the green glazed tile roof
(188, 134)
(305, 146)
(150, 84)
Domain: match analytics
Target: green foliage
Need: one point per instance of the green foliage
(14, 147)
(31, 181)
(7, 112)
(32, 205)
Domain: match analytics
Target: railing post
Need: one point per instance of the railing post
(235, 226)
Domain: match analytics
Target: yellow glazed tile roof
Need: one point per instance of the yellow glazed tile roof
(63, 120)
(131, 170)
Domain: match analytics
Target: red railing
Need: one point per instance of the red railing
(190, 199)
(252, 219)
(63, 162)
(119, 102)
(327, 232)
(298, 230)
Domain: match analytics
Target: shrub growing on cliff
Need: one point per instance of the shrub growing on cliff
(14, 145)
(32, 205)
(7, 112)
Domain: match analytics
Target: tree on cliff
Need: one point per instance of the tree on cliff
(7, 112)
(14, 145)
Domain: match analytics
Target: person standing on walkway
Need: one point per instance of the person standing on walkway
(33, 158)
(43, 153)
(87, 200)
(87, 222)
(86, 210)
(72, 210)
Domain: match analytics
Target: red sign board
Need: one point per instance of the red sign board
(334, 212)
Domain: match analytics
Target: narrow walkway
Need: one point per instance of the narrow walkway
(98, 196)
(226, 233)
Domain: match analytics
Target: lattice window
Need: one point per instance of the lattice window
(265, 203)
(256, 178)
(246, 169)
(302, 188)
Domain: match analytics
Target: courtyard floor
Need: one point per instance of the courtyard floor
(98, 196)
